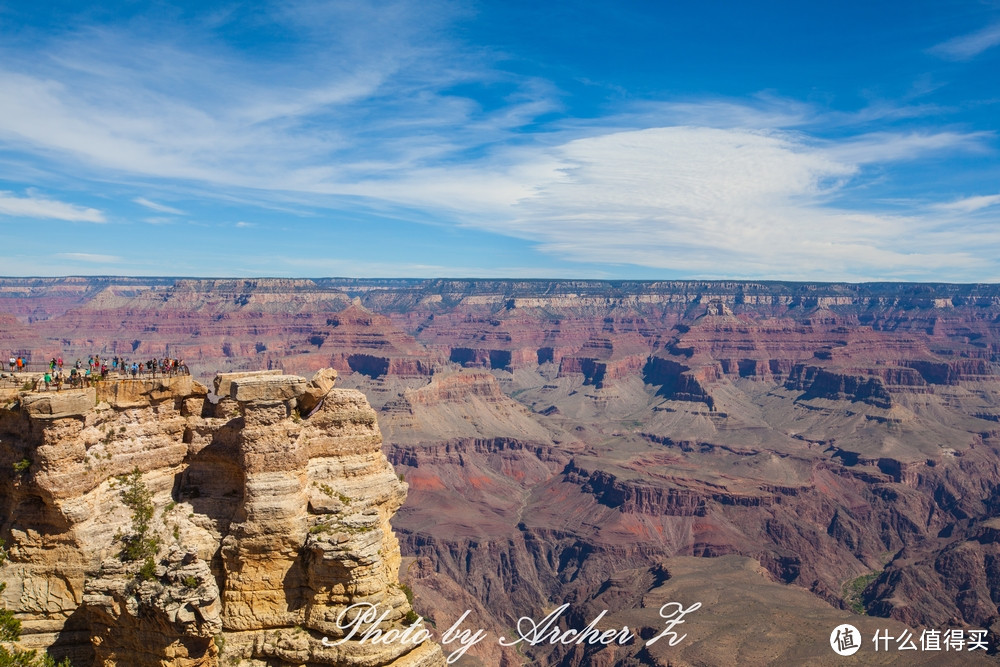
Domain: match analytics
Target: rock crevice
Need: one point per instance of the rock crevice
(271, 509)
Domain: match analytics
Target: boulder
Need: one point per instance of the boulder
(320, 385)
(223, 381)
(55, 405)
(267, 388)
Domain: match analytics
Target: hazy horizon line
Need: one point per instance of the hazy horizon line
(377, 279)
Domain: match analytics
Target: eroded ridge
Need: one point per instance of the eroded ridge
(271, 502)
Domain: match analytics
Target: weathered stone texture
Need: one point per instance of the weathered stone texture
(58, 405)
(268, 388)
(223, 381)
(271, 523)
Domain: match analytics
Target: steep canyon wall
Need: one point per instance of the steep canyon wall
(566, 441)
(271, 507)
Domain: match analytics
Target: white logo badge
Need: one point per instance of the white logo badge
(845, 639)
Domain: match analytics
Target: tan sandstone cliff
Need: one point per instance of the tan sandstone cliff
(272, 507)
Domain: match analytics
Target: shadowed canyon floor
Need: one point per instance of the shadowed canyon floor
(824, 449)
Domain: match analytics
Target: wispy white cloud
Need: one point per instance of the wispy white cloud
(727, 203)
(92, 258)
(764, 111)
(761, 112)
(161, 208)
(885, 147)
(708, 202)
(969, 204)
(364, 110)
(366, 92)
(966, 47)
(34, 206)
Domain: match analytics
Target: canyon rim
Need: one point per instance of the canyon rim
(789, 456)
(410, 333)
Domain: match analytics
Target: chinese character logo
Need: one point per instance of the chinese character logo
(845, 639)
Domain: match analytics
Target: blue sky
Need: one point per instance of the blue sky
(780, 140)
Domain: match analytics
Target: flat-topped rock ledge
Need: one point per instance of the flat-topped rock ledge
(260, 387)
(132, 393)
(273, 388)
(223, 381)
(56, 405)
(267, 388)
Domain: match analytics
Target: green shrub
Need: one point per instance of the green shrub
(10, 626)
(408, 592)
(148, 570)
(319, 528)
(133, 492)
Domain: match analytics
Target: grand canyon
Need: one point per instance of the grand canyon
(793, 456)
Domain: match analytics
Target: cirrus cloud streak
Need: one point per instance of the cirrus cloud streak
(34, 206)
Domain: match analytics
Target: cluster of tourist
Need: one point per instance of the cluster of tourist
(17, 362)
(82, 374)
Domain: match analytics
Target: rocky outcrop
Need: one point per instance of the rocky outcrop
(456, 388)
(554, 434)
(817, 382)
(679, 382)
(223, 382)
(173, 618)
(272, 519)
(59, 405)
(316, 390)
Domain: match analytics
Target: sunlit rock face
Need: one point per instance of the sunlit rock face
(271, 520)
(561, 440)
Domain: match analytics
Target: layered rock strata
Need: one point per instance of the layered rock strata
(271, 507)
(557, 435)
